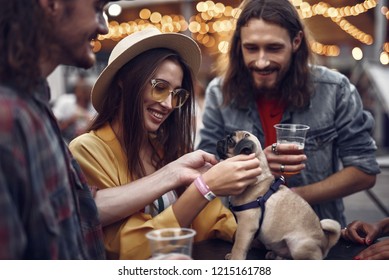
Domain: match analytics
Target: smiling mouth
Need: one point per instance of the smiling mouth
(264, 72)
(156, 114)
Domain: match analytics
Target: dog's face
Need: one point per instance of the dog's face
(238, 142)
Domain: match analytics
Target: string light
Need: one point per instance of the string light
(384, 58)
(213, 23)
(114, 10)
(338, 16)
(357, 53)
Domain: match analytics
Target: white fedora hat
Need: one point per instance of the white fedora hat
(137, 43)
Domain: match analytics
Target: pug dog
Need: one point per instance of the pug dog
(280, 219)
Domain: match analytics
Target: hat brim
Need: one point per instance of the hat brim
(135, 44)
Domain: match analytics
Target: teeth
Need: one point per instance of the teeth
(157, 115)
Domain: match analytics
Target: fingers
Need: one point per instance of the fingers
(282, 149)
(377, 251)
(289, 159)
(246, 174)
(285, 159)
(364, 233)
(352, 235)
(359, 232)
(286, 169)
(242, 162)
(242, 157)
(239, 163)
(207, 157)
(238, 185)
(233, 175)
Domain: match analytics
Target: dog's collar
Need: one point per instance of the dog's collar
(260, 201)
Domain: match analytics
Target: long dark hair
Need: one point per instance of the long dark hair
(24, 32)
(124, 100)
(296, 87)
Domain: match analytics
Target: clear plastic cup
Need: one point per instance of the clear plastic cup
(291, 134)
(168, 241)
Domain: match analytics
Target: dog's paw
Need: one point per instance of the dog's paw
(228, 256)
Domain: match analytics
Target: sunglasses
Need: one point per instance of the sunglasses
(160, 90)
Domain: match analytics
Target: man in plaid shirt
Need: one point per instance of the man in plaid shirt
(47, 210)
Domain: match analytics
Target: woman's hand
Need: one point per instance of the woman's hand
(362, 232)
(377, 251)
(233, 175)
(366, 233)
(189, 166)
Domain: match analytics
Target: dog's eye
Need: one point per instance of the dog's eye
(246, 135)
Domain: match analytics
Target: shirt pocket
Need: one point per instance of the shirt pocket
(56, 210)
(85, 200)
(319, 149)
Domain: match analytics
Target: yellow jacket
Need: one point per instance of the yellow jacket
(102, 160)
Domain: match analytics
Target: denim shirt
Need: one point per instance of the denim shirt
(339, 135)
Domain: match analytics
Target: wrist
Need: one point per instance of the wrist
(383, 227)
(175, 174)
(203, 188)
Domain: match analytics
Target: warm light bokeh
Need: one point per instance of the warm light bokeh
(214, 21)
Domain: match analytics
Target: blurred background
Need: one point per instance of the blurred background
(351, 36)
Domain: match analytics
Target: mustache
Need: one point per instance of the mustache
(270, 67)
(266, 69)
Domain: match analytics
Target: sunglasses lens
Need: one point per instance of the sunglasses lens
(161, 91)
(179, 97)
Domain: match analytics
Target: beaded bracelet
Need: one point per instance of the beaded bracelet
(204, 189)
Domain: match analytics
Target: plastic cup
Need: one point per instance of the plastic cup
(291, 134)
(168, 241)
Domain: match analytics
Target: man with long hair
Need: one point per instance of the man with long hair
(47, 209)
(269, 79)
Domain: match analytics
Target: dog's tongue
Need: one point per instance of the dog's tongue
(244, 147)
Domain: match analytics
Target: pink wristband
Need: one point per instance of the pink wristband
(204, 189)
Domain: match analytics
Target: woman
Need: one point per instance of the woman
(144, 129)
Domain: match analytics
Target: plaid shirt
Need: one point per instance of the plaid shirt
(46, 209)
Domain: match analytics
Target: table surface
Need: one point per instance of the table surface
(216, 249)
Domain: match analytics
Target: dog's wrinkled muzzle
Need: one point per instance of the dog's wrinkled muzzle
(245, 146)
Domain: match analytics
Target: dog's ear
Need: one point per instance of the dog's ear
(231, 143)
(224, 144)
(221, 148)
